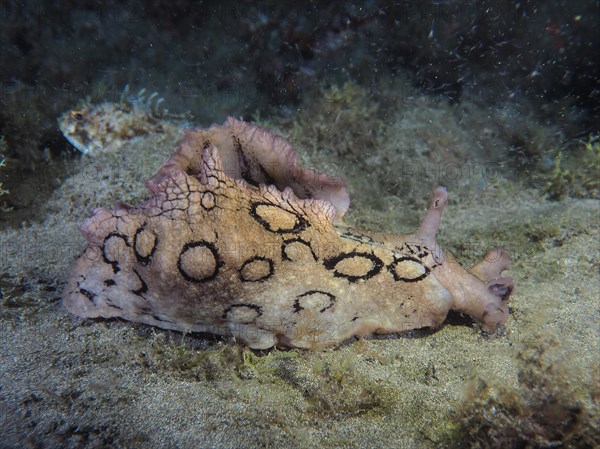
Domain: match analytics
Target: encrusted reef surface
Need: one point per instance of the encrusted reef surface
(74, 382)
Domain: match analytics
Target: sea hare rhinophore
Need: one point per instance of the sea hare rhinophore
(238, 240)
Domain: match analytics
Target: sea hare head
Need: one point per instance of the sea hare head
(257, 156)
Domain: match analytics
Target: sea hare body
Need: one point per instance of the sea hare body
(238, 240)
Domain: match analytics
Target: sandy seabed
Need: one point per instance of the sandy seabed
(68, 382)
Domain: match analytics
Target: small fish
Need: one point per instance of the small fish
(105, 127)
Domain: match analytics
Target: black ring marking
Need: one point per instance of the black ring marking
(111, 303)
(208, 200)
(257, 259)
(109, 282)
(144, 260)
(113, 263)
(143, 289)
(416, 249)
(215, 254)
(300, 225)
(357, 237)
(284, 255)
(253, 307)
(298, 307)
(88, 294)
(243, 160)
(251, 169)
(377, 263)
(268, 179)
(392, 269)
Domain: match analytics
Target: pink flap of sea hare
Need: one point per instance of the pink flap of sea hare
(238, 240)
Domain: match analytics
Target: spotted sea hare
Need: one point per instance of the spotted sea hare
(238, 240)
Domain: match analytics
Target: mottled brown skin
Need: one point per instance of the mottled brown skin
(94, 129)
(211, 252)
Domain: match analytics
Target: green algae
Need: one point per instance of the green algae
(577, 172)
(545, 410)
(330, 384)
